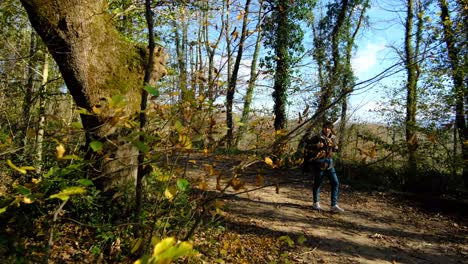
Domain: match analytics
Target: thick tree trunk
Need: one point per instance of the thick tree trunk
(458, 76)
(282, 67)
(96, 64)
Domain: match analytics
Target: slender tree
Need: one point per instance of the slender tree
(412, 44)
(42, 114)
(233, 80)
(252, 80)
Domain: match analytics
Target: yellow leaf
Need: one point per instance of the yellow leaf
(66, 193)
(281, 132)
(269, 161)
(168, 194)
(163, 245)
(27, 200)
(36, 181)
(13, 166)
(60, 151)
(185, 142)
(192, 161)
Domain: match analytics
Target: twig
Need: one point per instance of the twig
(51, 233)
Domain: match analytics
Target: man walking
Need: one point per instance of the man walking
(318, 155)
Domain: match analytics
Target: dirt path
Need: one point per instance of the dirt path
(377, 227)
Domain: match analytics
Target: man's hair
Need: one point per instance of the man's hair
(327, 124)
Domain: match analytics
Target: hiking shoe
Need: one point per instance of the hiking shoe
(317, 206)
(336, 209)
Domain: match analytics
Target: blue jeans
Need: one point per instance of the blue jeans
(318, 179)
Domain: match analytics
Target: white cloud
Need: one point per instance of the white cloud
(366, 58)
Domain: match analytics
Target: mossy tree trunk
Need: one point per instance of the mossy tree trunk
(282, 75)
(412, 69)
(96, 64)
(459, 80)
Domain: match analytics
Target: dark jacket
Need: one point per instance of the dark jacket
(312, 153)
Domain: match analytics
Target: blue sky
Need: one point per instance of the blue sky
(374, 55)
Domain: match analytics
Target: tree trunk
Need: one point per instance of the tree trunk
(458, 75)
(233, 80)
(181, 51)
(96, 64)
(347, 77)
(42, 114)
(253, 77)
(411, 65)
(210, 50)
(281, 79)
(30, 74)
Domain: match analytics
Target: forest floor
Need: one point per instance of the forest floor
(276, 223)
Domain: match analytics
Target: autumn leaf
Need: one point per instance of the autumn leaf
(237, 184)
(169, 194)
(60, 151)
(27, 200)
(281, 132)
(23, 169)
(203, 186)
(209, 169)
(269, 162)
(185, 142)
(66, 193)
(163, 245)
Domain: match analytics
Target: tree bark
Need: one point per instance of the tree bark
(458, 76)
(96, 64)
(42, 114)
(411, 65)
(30, 75)
(347, 78)
(233, 80)
(281, 78)
(253, 77)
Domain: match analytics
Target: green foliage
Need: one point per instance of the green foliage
(152, 90)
